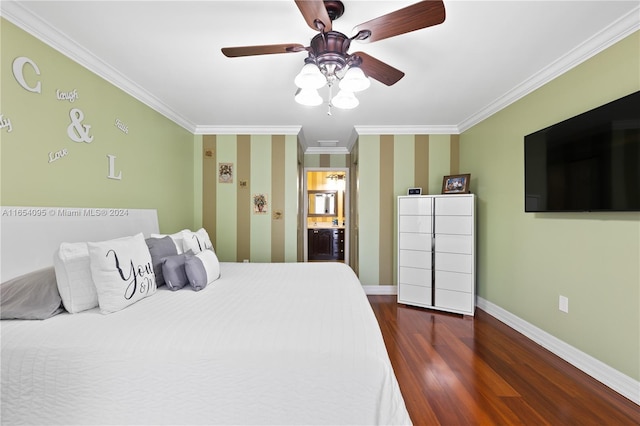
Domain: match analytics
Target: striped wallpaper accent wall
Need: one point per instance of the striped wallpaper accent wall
(327, 160)
(263, 164)
(387, 166)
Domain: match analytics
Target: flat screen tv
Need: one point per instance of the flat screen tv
(587, 163)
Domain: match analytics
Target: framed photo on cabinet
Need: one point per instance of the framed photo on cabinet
(456, 184)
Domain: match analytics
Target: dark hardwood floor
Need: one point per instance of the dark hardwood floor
(456, 370)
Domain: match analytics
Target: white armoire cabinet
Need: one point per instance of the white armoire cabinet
(436, 252)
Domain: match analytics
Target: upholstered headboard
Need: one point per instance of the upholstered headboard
(31, 235)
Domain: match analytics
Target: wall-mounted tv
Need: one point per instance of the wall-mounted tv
(588, 163)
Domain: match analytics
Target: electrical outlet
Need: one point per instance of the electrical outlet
(245, 260)
(563, 304)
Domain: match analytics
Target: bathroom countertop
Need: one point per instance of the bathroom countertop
(325, 225)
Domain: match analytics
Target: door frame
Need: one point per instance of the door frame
(345, 208)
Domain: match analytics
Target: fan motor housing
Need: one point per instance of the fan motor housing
(330, 48)
(335, 8)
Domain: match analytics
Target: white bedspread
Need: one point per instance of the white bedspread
(265, 344)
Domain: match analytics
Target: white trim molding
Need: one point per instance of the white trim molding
(247, 130)
(619, 382)
(615, 32)
(326, 150)
(407, 130)
(16, 13)
(380, 290)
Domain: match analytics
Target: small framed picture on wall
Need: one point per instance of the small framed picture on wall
(456, 184)
(225, 172)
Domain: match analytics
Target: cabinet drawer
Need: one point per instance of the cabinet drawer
(454, 262)
(415, 276)
(415, 206)
(454, 281)
(419, 224)
(460, 225)
(411, 241)
(414, 295)
(454, 243)
(455, 300)
(415, 259)
(454, 206)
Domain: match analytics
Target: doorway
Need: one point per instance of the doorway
(326, 214)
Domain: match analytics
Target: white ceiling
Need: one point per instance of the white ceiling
(485, 55)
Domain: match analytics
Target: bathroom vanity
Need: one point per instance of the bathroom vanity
(325, 243)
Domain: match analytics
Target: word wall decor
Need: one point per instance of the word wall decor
(5, 123)
(78, 130)
(70, 96)
(123, 127)
(18, 72)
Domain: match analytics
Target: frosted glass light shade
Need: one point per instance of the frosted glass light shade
(308, 97)
(310, 77)
(345, 100)
(354, 80)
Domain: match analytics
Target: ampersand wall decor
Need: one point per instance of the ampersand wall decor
(77, 131)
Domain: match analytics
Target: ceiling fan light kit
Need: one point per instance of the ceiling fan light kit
(328, 61)
(310, 77)
(345, 100)
(308, 97)
(354, 80)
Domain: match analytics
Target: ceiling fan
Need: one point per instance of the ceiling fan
(328, 60)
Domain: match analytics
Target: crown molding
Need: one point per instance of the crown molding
(247, 130)
(326, 150)
(407, 130)
(623, 27)
(17, 14)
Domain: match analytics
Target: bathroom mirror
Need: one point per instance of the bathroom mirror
(323, 203)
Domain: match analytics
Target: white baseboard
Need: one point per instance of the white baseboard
(619, 382)
(377, 290)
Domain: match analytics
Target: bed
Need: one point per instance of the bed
(265, 343)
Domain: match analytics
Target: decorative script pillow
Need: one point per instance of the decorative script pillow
(197, 241)
(202, 269)
(122, 272)
(73, 276)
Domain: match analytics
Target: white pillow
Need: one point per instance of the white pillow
(197, 241)
(73, 276)
(202, 269)
(178, 239)
(122, 271)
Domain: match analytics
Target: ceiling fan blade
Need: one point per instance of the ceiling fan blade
(378, 70)
(267, 49)
(415, 17)
(315, 10)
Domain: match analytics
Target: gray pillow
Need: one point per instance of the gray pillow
(159, 248)
(31, 296)
(173, 270)
(202, 269)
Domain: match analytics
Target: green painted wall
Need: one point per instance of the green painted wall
(154, 159)
(525, 261)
